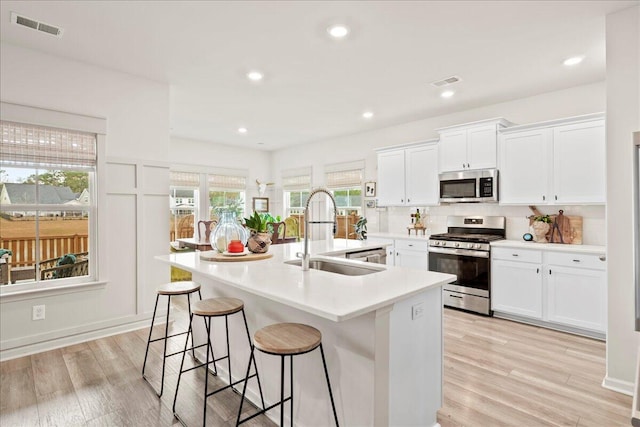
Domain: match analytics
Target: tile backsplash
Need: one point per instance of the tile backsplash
(396, 219)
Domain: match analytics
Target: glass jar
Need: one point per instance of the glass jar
(228, 229)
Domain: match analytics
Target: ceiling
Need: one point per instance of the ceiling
(316, 87)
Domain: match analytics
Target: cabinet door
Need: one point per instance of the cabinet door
(412, 259)
(516, 288)
(453, 150)
(579, 155)
(524, 167)
(577, 297)
(421, 182)
(391, 178)
(481, 147)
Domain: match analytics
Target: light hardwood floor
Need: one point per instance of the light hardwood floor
(497, 373)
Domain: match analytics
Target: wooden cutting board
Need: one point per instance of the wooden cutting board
(217, 256)
(568, 226)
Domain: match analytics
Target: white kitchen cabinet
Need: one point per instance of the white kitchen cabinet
(408, 176)
(516, 286)
(412, 254)
(558, 288)
(524, 166)
(557, 162)
(576, 294)
(470, 146)
(579, 154)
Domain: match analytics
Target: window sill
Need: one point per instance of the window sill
(9, 295)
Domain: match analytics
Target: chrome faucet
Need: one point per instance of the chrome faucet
(306, 255)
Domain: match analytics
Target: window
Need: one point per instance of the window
(47, 203)
(296, 185)
(226, 192)
(183, 196)
(345, 182)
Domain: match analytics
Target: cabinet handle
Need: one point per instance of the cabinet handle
(537, 270)
(576, 260)
(544, 198)
(468, 165)
(411, 245)
(549, 272)
(515, 255)
(455, 296)
(556, 197)
(397, 253)
(401, 200)
(408, 200)
(602, 258)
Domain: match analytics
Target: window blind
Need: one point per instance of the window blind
(227, 182)
(184, 179)
(342, 179)
(297, 179)
(46, 147)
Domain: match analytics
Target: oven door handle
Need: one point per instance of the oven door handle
(465, 252)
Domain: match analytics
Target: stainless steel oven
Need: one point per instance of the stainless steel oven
(465, 251)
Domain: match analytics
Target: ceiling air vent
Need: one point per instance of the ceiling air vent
(35, 25)
(446, 82)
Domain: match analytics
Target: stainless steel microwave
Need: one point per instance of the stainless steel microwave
(469, 186)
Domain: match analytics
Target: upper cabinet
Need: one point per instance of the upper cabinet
(470, 146)
(557, 162)
(408, 175)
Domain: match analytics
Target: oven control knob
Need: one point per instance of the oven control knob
(475, 246)
(457, 245)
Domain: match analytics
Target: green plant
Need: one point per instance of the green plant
(543, 218)
(257, 222)
(360, 228)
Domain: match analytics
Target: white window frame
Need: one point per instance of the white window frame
(62, 120)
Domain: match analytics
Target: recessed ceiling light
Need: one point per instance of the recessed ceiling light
(338, 31)
(574, 60)
(447, 94)
(242, 130)
(255, 76)
(367, 114)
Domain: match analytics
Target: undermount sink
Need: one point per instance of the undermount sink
(339, 266)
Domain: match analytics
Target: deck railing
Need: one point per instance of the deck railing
(24, 249)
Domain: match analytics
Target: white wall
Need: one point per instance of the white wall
(553, 105)
(131, 206)
(623, 118)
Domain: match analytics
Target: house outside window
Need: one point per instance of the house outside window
(47, 201)
(183, 195)
(296, 187)
(226, 192)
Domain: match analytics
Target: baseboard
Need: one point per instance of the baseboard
(620, 386)
(26, 346)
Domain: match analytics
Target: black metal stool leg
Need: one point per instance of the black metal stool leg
(153, 319)
(193, 351)
(164, 353)
(206, 372)
(326, 373)
(246, 326)
(244, 387)
(186, 342)
(281, 391)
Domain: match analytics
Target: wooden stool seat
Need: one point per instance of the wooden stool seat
(217, 306)
(287, 338)
(178, 288)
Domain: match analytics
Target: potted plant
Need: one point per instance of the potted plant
(360, 228)
(540, 227)
(260, 237)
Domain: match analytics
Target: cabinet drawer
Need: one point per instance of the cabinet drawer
(515, 254)
(413, 245)
(576, 260)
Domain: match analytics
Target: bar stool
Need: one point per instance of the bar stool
(207, 309)
(286, 339)
(170, 290)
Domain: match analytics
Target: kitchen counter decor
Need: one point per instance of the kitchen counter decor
(259, 238)
(564, 229)
(228, 229)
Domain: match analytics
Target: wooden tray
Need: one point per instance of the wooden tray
(571, 228)
(217, 256)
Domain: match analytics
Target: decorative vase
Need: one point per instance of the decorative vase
(259, 242)
(228, 229)
(539, 229)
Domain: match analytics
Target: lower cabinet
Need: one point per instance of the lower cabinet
(562, 288)
(412, 254)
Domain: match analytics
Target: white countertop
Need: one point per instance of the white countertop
(332, 296)
(556, 247)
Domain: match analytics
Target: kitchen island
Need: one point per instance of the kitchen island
(382, 333)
